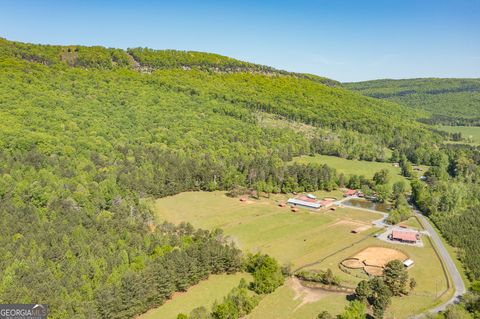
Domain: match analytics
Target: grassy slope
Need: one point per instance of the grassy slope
(448, 97)
(301, 238)
(204, 294)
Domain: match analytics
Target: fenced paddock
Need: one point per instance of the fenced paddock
(373, 259)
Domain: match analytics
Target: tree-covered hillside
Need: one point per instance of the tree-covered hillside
(141, 59)
(447, 101)
(86, 134)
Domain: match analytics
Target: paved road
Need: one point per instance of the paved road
(457, 281)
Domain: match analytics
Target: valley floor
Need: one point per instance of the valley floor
(319, 240)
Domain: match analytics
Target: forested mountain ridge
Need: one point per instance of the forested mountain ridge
(140, 59)
(448, 101)
(81, 146)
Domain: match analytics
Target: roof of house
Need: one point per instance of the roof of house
(404, 235)
(301, 201)
(351, 191)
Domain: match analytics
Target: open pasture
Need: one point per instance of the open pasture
(471, 134)
(357, 167)
(317, 240)
(263, 226)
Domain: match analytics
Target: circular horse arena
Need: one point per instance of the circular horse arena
(373, 259)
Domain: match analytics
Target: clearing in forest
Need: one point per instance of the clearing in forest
(471, 134)
(357, 167)
(321, 239)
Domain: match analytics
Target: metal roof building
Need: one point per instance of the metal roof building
(305, 203)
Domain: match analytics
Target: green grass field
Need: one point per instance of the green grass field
(261, 225)
(350, 167)
(303, 238)
(470, 133)
(286, 303)
(203, 294)
(413, 223)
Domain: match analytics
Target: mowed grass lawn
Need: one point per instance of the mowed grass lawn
(471, 133)
(204, 294)
(351, 167)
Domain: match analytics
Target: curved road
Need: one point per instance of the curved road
(455, 276)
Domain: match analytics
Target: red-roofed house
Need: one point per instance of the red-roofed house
(350, 192)
(404, 236)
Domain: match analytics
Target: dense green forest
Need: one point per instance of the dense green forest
(445, 101)
(85, 135)
(88, 132)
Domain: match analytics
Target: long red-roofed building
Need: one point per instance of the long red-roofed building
(404, 236)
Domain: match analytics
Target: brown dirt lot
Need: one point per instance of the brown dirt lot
(307, 295)
(373, 259)
(379, 256)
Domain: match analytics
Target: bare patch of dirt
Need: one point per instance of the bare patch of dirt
(379, 256)
(373, 259)
(306, 295)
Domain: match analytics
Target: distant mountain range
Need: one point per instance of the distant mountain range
(447, 101)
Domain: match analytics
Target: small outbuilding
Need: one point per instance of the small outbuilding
(295, 209)
(408, 263)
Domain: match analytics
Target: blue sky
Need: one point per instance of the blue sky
(344, 40)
